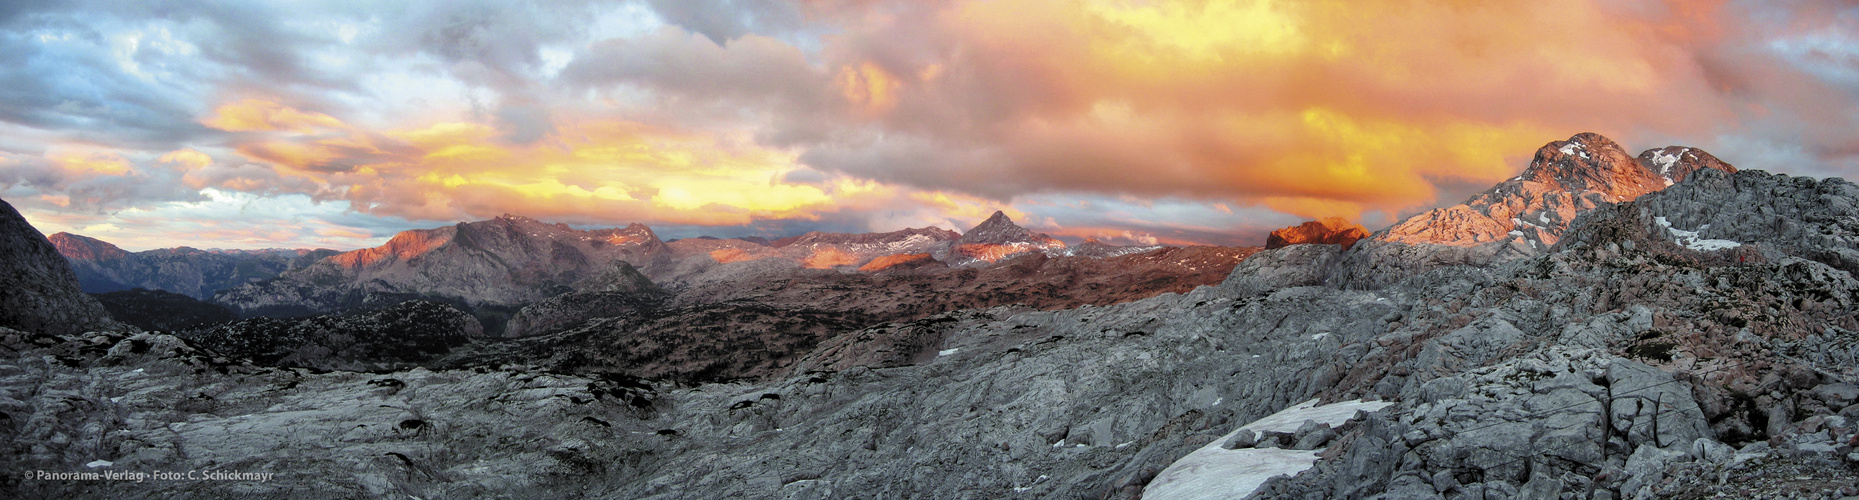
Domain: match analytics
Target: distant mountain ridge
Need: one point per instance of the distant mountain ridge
(103, 267)
(512, 261)
(500, 263)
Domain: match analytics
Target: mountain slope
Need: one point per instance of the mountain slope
(504, 262)
(1325, 231)
(158, 310)
(998, 238)
(1564, 180)
(1522, 216)
(38, 290)
(103, 267)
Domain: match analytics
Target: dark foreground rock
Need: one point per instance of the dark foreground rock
(159, 310)
(38, 290)
(399, 336)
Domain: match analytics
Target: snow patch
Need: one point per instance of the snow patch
(946, 352)
(1042, 477)
(99, 463)
(1570, 148)
(1320, 336)
(1665, 162)
(1216, 472)
(1691, 240)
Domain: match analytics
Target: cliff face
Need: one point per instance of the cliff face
(1325, 231)
(38, 290)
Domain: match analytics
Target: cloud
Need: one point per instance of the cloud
(725, 20)
(222, 219)
(1313, 107)
(1222, 118)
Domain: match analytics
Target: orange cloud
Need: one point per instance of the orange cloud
(187, 158)
(262, 115)
(1327, 107)
(79, 164)
(595, 169)
(871, 87)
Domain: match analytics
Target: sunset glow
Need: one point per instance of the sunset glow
(1179, 121)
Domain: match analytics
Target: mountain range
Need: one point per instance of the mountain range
(103, 267)
(1582, 331)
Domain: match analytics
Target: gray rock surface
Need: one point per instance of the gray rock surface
(620, 290)
(1543, 376)
(399, 336)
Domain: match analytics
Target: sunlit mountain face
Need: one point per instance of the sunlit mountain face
(308, 124)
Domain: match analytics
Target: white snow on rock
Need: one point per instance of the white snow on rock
(1665, 162)
(946, 352)
(99, 463)
(1690, 238)
(1570, 148)
(1214, 472)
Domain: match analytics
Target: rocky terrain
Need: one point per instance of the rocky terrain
(1692, 341)
(1325, 231)
(103, 267)
(499, 268)
(399, 336)
(1526, 215)
(159, 310)
(997, 238)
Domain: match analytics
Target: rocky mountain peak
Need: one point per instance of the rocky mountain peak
(998, 238)
(1000, 229)
(1591, 162)
(84, 248)
(1326, 231)
(1565, 179)
(1677, 163)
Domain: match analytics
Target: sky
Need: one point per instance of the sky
(252, 124)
